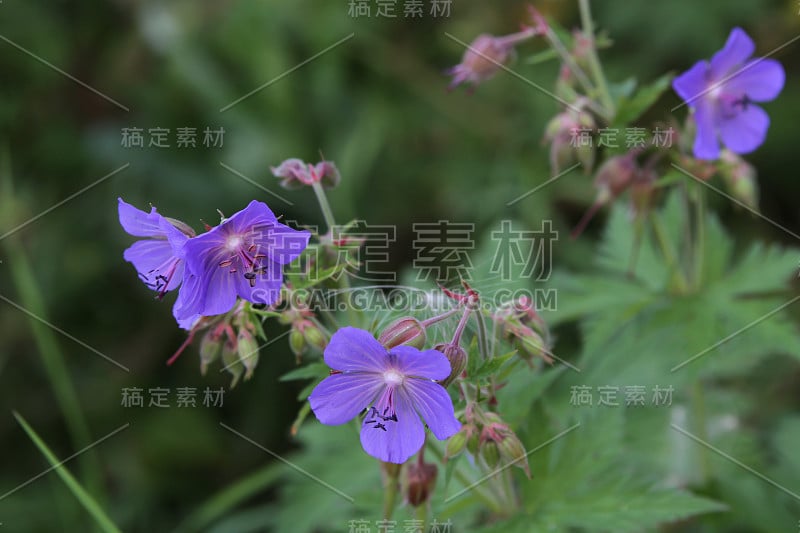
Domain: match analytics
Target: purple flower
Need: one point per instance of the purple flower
(243, 256)
(396, 385)
(159, 258)
(721, 93)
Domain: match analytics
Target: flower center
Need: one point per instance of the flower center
(393, 377)
(244, 259)
(233, 243)
(715, 91)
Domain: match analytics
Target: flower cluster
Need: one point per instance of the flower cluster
(242, 257)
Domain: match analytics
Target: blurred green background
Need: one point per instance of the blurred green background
(376, 105)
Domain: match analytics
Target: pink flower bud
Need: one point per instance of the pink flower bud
(458, 360)
(407, 331)
(295, 173)
(486, 56)
(420, 482)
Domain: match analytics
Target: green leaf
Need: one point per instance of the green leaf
(630, 108)
(491, 366)
(85, 499)
(311, 370)
(622, 89)
(586, 479)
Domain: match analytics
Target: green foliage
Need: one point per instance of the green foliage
(84, 498)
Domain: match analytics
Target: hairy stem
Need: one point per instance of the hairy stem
(594, 61)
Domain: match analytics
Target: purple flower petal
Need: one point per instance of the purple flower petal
(761, 80)
(291, 168)
(355, 350)
(430, 364)
(283, 244)
(691, 84)
(138, 223)
(734, 54)
(251, 220)
(339, 398)
(176, 237)
(706, 145)
(746, 130)
(435, 406)
(156, 264)
(265, 288)
(393, 441)
(188, 304)
(216, 285)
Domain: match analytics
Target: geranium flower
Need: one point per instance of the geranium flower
(721, 93)
(243, 256)
(159, 258)
(396, 385)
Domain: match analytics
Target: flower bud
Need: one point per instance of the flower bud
(529, 343)
(420, 482)
(490, 453)
(314, 337)
(297, 342)
(406, 331)
(612, 178)
(566, 133)
(512, 451)
(230, 358)
(295, 173)
(247, 351)
(473, 443)
(456, 444)
(740, 178)
(487, 55)
(210, 349)
(458, 360)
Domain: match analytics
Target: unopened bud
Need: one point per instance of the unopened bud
(456, 444)
(740, 178)
(230, 358)
(297, 342)
(314, 337)
(490, 453)
(473, 443)
(210, 349)
(486, 55)
(405, 331)
(512, 451)
(420, 482)
(614, 176)
(457, 357)
(248, 351)
(295, 173)
(570, 136)
(529, 343)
